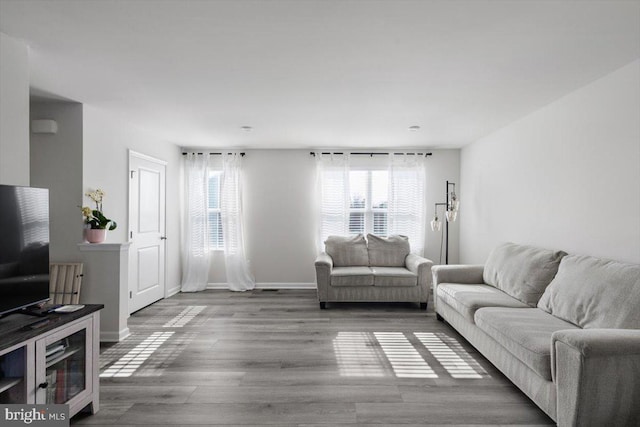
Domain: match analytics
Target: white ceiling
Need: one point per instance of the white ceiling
(321, 73)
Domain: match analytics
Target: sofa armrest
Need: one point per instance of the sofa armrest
(597, 374)
(471, 274)
(457, 273)
(324, 265)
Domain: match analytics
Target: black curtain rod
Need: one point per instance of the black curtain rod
(214, 154)
(313, 153)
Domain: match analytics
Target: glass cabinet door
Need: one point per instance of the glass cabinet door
(62, 366)
(13, 376)
(65, 368)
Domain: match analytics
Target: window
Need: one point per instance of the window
(382, 196)
(368, 207)
(215, 218)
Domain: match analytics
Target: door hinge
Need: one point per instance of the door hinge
(132, 172)
(130, 294)
(131, 234)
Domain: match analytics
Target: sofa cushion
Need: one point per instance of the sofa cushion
(347, 251)
(595, 293)
(521, 271)
(351, 276)
(466, 299)
(524, 332)
(393, 276)
(387, 251)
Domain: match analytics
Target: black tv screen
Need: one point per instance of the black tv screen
(24, 247)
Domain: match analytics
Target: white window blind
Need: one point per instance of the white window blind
(368, 203)
(216, 241)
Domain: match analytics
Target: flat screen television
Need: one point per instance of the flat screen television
(24, 247)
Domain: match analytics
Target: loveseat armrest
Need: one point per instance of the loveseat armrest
(469, 274)
(422, 267)
(419, 265)
(324, 259)
(324, 265)
(597, 374)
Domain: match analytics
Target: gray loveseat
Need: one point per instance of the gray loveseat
(564, 328)
(378, 269)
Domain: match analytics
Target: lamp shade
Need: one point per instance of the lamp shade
(455, 202)
(436, 224)
(451, 215)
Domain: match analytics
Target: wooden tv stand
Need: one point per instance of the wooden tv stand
(51, 359)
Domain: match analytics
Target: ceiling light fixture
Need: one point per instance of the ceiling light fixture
(414, 128)
(246, 128)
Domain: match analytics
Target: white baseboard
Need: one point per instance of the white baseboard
(113, 336)
(284, 285)
(172, 291)
(217, 286)
(269, 285)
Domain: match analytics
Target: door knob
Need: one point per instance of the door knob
(163, 238)
(43, 385)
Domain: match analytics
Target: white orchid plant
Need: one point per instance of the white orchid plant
(94, 217)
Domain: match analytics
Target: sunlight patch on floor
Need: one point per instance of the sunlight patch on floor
(184, 317)
(128, 364)
(405, 360)
(451, 355)
(164, 357)
(356, 355)
(378, 354)
(117, 350)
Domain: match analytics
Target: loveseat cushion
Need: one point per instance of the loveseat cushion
(393, 276)
(521, 271)
(466, 299)
(595, 293)
(347, 251)
(387, 251)
(524, 332)
(351, 276)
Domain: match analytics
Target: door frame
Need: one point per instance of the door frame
(142, 156)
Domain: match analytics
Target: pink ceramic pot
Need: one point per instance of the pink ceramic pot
(95, 235)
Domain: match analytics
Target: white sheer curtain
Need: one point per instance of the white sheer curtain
(334, 196)
(239, 277)
(195, 224)
(406, 211)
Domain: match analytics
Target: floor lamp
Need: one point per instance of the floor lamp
(451, 205)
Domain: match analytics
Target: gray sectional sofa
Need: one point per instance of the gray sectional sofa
(376, 269)
(564, 328)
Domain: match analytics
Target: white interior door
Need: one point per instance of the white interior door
(146, 230)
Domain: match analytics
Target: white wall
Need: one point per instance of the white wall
(565, 177)
(280, 215)
(14, 111)
(107, 139)
(56, 164)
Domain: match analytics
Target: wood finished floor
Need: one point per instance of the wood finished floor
(274, 358)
